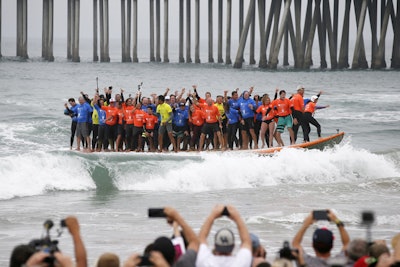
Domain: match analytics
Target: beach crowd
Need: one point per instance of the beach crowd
(186, 248)
(183, 121)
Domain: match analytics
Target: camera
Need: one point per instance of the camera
(46, 244)
(367, 217)
(144, 261)
(286, 252)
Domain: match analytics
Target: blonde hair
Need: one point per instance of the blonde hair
(282, 263)
(108, 260)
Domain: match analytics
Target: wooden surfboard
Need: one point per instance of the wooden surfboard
(320, 143)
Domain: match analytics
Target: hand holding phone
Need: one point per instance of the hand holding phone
(320, 215)
(144, 261)
(156, 213)
(225, 212)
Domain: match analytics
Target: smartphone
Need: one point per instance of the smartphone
(144, 261)
(156, 213)
(320, 215)
(367, 217)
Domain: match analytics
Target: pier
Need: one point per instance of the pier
(286, 29)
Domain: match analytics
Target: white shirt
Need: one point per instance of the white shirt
(205, 258)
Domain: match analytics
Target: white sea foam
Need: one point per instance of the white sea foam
(35, 173)
(38, 172)
(247, 170)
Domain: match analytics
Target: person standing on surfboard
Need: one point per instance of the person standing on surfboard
(284, 109)
(309, 118)
(165, 111)
(83, 111)
(298, 111)
(71, 111)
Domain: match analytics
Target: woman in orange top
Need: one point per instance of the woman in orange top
(268, 121)
(139, 119)
(212, 125)
(150, 122)
(111, 124)
(284, 109)
(308, 117)
(196, 122)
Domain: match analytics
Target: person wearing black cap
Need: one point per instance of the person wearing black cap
(224, 241)
(322, 241)
(162, 251)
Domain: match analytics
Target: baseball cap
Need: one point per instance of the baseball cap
(167, 98)
(224, 241)
(313, 98)
(299, 87)
(164, 245)
(323, 235)
(181, 104)
(255, 241)
(112, 100)
(364, 261)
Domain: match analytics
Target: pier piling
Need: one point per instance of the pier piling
(297, 32)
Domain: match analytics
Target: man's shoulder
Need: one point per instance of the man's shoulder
(187, 260)
(312, 261)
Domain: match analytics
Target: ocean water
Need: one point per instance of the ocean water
(110, 192)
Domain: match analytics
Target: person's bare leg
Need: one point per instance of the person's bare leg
(178, 143)
(88, 142)
(150, 137)
(225, 137)
(263, 129)
(140, 143)
(160, 142)
(245, 140)
(271, 128)
(221, 140)
(172, 139)
(254, 137)
(291, 133)
(216, 141)
(201, 143)
(78, 144)
(279, 139)
(119, 138)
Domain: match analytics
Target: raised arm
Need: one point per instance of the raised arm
(205, 229)
(178, 97)
(196, 95)
(87, 99)
(225, 96)
(122, 95)
(79, 247)
(242, 228)
(276, 93)
(166, 92)
(191, 237)
(344, 235)
(296, 242)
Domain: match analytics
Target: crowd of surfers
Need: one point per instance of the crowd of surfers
(189, 249)
(186, 122)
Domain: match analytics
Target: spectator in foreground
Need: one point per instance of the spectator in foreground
(224, 241)
(322, 241)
